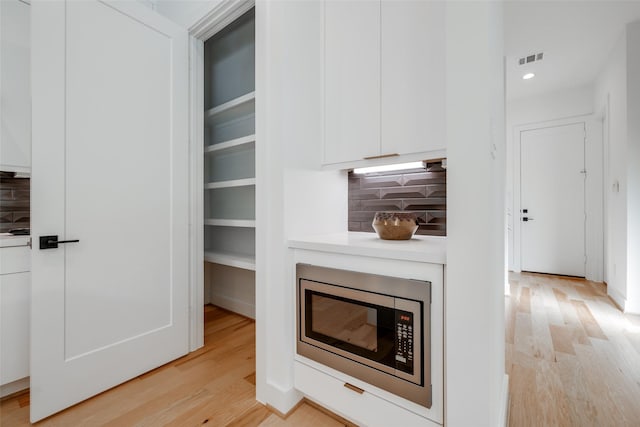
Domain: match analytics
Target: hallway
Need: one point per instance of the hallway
(572, 357)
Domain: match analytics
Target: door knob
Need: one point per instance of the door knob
(52, 242)
(526, 218)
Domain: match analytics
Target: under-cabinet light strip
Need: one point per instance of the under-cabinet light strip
(388, 168)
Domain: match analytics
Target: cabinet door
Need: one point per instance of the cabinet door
(15, 295)
(352, 80)
(15, 141)
(413, 76)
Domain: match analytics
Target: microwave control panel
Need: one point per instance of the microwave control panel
(404, 341)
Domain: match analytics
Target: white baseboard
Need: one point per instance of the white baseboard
(503, 415)
(241, 307)
(631, 308)
(617, 297)
(284, 400)
(14, 387)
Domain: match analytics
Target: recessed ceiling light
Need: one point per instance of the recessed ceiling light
(528, 76)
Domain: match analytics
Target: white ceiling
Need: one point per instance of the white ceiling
(575, 36)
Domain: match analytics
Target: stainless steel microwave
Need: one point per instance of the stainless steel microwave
(371, 327)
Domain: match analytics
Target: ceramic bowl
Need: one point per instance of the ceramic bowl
(395, 225)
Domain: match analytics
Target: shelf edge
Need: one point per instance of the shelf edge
(231, 260)
(232, 143)
(246, 182)
(212, 112)
(246, 223)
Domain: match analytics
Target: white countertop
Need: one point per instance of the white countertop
(429, 249)
(9, 240)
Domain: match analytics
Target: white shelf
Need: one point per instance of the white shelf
(238, 107)
(232, 145)
(231, 183)
(249, 223)
(243, 261)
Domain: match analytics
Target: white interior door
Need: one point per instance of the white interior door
(552, 200)
(110, 168)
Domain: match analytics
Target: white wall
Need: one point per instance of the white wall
(474, 301)
(610, 96)
(633, 168)
(545, 107)
(296, 198)
(230, 288)
(571, 102)
(617, 94)
(184, 12)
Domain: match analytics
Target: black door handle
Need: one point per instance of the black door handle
(52, 242)
(525, 219)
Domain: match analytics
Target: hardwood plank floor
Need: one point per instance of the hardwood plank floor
(214, 385)
(572, 357)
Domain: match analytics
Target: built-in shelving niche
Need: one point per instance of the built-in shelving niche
(229, 166)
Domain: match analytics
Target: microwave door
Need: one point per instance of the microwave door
(353, 324)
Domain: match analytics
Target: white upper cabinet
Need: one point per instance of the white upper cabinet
(352, 80)
(15, 111)
(384, 81)
(413, 76)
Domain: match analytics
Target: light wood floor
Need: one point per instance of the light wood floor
(572, 357)
(214, 386)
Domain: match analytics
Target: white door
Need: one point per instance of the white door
(110, 168)
(552, 200)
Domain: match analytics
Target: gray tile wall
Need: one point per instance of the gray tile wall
(424, 193)
(14, 203)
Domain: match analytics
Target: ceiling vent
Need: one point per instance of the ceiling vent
(531, 58)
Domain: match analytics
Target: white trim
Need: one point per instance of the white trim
(606, 192)
(237, 306)
(219, 17)
(263, 203)
(14, 386)
(594, 251)
(503, 415)
(196, 146)
(617, 297)
(284, 400)
(594, 199)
